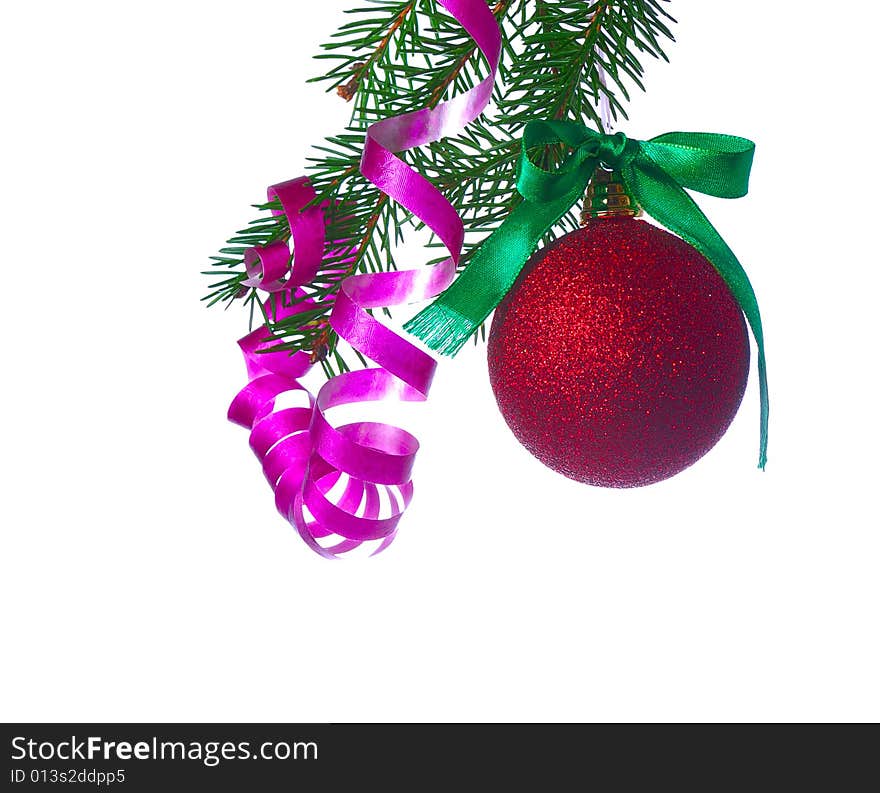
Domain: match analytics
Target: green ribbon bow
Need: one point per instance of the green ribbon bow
(654, 172)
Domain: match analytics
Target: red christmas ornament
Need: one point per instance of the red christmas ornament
(620, 357)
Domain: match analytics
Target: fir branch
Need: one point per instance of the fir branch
(397, 56)
(558, 75)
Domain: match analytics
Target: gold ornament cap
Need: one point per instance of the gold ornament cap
(607, 197)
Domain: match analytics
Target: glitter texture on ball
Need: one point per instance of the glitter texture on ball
(620, 357)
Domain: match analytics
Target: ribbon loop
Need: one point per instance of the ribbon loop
(717, 165)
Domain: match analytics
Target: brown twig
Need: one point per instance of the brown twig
(348, 90)
(499, 9)
(589, 40)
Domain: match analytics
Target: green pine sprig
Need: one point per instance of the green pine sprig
(393, 57)
(577, 52)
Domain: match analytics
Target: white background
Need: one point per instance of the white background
(145, 574)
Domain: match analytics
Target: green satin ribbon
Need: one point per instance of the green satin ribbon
(655, 173)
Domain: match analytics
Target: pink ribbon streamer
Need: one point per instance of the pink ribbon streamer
(304, 456)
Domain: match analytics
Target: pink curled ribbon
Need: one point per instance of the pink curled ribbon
(352, 483)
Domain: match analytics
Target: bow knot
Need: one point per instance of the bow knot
(614, 152)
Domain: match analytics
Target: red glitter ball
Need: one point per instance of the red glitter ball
(620, 357)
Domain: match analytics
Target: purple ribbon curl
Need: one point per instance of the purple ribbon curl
(337, 474)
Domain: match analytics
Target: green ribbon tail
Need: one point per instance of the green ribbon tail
(662, 197)
(447, 324)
